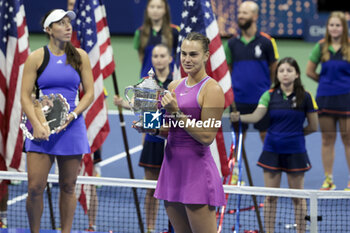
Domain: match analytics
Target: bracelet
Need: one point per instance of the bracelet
(74, 115)
(155, 133)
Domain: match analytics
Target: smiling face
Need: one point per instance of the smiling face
(335, 27)
(286, 74)
(156, 10)
(161, 57)
(61, 30)
(193, 58)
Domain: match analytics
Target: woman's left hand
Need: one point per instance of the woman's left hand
(69, 119)
(169, 102)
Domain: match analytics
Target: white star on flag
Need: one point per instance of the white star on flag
(90, 43)
(194, 19)
(89, 31)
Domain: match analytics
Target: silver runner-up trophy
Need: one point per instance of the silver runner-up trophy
(146, 98)
(52, 112)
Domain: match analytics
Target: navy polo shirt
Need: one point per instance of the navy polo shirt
(286, 131)
(335, 73)
(250, 66)
(154, 39)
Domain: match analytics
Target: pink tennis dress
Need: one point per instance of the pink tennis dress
(188, 174)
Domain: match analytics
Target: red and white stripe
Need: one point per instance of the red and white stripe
(102, 63)
(217, 68)
(11, 70)
(96, 118)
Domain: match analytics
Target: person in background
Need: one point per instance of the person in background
(57, 68)
(252, 56)
(153, 147)
(288, 105)
(156, 29)
(333, 92)
(70, 4)
(188, 170)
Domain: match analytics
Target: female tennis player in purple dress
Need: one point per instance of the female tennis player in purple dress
(56, 68)
(189, 182)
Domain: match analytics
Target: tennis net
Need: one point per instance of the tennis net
(296, 210)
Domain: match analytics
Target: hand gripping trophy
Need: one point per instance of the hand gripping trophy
(52, 112)
(146, 98)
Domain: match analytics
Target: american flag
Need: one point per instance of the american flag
(198, 16)
(14, 50)
(91, 33)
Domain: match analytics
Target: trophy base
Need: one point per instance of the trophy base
(138, 124)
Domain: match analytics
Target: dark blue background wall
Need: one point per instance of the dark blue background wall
(278, 18)
(124, 16)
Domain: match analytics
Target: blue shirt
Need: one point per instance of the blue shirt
(250, 66)
(286, 131)
(335, 73)
(154, 39)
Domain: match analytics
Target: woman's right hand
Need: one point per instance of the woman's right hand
(41, 132)
(234, 116)
(118, 101)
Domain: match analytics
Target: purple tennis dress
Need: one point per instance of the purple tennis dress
(60, 78)
(188, 174)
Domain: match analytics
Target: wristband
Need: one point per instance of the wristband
(74, 115)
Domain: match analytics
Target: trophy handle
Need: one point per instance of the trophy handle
(127, 97)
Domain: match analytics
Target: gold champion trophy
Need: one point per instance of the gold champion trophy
(52, 112)
(146, 98)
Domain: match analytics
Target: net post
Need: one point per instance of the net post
(250, 180)
(313, 212)
(49, 199)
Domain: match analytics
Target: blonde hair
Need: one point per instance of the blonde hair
(345, 48)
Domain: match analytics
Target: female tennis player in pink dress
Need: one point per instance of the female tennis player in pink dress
(189, 182)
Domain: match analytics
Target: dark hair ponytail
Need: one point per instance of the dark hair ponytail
(73, 56)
